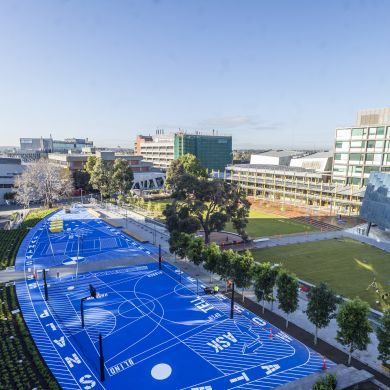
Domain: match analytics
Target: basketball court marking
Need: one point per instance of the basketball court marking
(159, 333)
(84, 238)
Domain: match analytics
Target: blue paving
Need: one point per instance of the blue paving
(85, 239)
(159, 332)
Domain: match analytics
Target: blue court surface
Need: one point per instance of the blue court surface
(84, 238)
(159, 332)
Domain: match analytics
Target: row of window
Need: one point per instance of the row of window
(370, 144)
(356, 169)
(362, 132)
(374, 157)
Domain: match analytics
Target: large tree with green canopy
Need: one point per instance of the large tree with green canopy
(201, 202)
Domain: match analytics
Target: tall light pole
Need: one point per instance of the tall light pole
(78, 252)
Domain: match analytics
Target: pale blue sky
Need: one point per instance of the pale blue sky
(271, 73)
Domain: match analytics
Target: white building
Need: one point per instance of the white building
(319, 162)
(274, 157)
(9, 169)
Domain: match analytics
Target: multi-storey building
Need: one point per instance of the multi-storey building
(49, 145)
(213, 151)
(76, 161)
(9, 169)
(363, 148)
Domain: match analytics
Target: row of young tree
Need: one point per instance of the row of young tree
(47, 182)
(354, 327)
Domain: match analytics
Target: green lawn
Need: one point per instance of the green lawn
(348, 266)
(262, 224)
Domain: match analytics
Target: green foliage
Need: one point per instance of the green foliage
(243, 269)
(265, 275)
(90, 164)
(212, 255)
(202, 202)
(195, 250)
(328, 382)
(101, 177)
(179, 243)
(122, 176)
(9, 242)
(224, 266)
(186, 164)
(34, 216)
(81, 180)
(287, 294)
(321, 306)
(354, 326)
(9, 195)
(383, 334)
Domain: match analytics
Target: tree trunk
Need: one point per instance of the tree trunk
(349, 356)
(243, 295)
(226, 285)
(206, 237)
(315, 336)
(263, 303)
(287, 321)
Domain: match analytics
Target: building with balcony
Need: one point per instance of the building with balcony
(363, 148)
(9, 169)
(76, 161)
(213, 151)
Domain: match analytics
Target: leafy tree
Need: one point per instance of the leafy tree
(212, 254)
(224, 266)
(178, 219)
(243, 271)
(187, 164)
(81, 180)
(287, 294)
(207, 204)
(90, 164)
(195, 250)
(321, 307)
(179, 243)
(265, 275)
(354, 326)
(122, 176)
(101, 178)
(383, 334)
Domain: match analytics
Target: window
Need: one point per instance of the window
(359, 132)
(339, 145)
(337, 156)
(370, 144)
(354, 180)
(358, 144)
(370, 157)
(343, 133)
(372, 131)
(340, 168)
(379, 144)
(371, 169)
(355, 157)
(380, 131)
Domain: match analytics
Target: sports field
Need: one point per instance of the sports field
(84, 238)
(262, 224)
(159, 330)
(348, 266)
(158, 333)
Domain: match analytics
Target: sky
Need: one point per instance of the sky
(280, 74)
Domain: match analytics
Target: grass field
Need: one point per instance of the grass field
(348, 266)
(262, 224)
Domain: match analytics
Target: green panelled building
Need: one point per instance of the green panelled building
(213, 151)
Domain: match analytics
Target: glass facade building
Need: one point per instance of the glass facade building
(362, 149)
(213, 151)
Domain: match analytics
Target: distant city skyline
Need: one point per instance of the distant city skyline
(273, 74)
